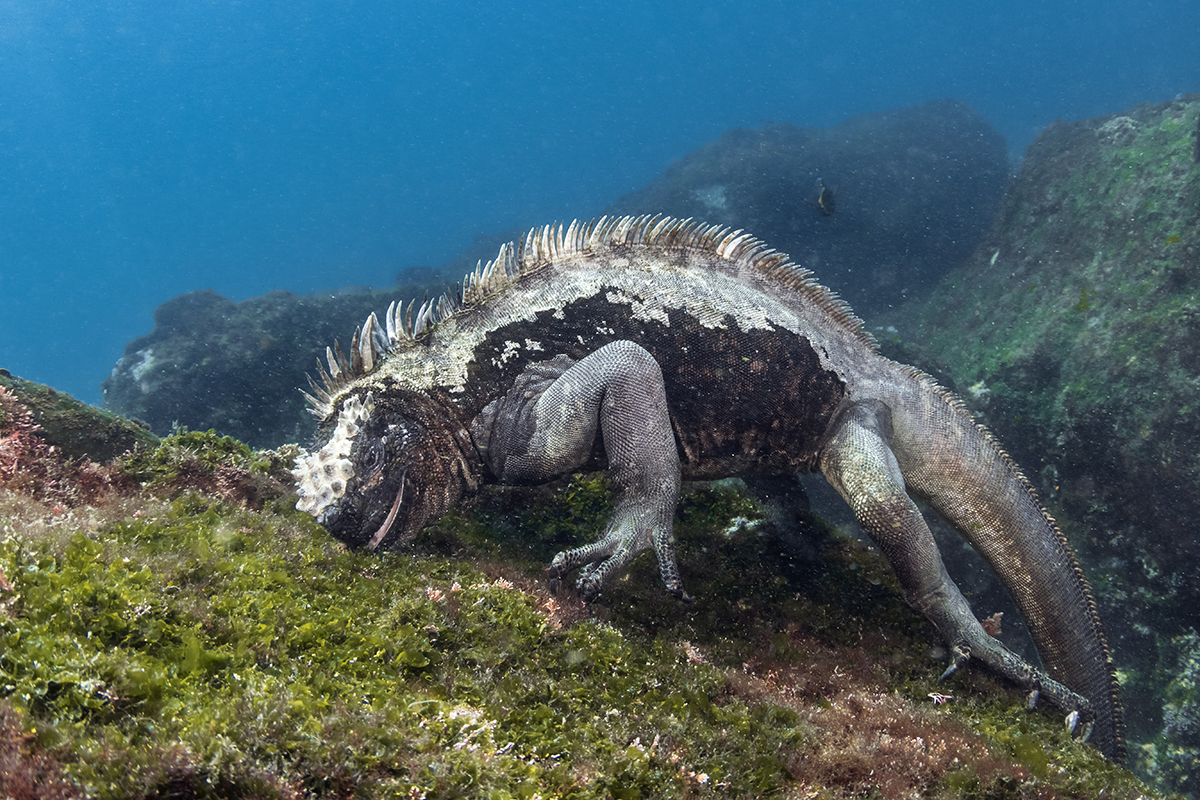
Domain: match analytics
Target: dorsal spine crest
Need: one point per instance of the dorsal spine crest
(544, 246)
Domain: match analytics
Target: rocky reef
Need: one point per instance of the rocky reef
(903, 196)
(182, 631)
(1074, 332)
(76, 429)
(238, 367)
(909, 194)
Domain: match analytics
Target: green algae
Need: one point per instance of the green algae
(183, 451)
(256, 646)
(196, 647)
(1084, 304)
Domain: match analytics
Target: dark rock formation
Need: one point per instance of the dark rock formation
(1074, 330)
(913, 192)
(76, 429)
(238, 367)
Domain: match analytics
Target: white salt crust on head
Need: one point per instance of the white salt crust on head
(322, 476)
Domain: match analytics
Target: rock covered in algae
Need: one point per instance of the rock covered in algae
(237, 367)
(1073, 331)
(76, 429)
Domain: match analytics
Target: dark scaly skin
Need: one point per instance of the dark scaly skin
(668, 351)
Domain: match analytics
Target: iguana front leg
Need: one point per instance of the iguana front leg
(546, 426)
(859, 463)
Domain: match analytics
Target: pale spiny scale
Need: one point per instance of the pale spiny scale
(407, 327)
(318, 401)
(389, 319)
(326, 380)
(431, 315)
(573, 235)
(593, 234)
(623, 226)
(343, 363)
(383, 342)
(669, 230)
(380, 343)
(422, 317)
(356, 364)
(366, 345)
(511, 265)
(335, 369)
(319, 392)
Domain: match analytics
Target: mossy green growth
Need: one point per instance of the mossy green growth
(75, 428)
(183, 453)
(201, 649)
(1042, 744)
(528, 525)
(243, 653)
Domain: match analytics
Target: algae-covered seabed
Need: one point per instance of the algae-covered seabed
(172, 627)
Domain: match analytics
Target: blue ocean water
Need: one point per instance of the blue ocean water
(153, 148)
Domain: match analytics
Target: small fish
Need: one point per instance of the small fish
(825, 198)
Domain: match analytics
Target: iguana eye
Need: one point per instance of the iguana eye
(374, 458)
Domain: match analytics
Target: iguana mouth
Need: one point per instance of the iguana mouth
(391, 517)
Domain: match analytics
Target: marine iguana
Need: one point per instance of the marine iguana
(665, 349)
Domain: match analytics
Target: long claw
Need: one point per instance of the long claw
(589, 589)
(676, 588)
(554, 571)
(959, 656)
(1087, 731)
(1031, 701)
(1071, 721)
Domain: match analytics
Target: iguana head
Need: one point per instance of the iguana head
(388, 460)
(380, 475)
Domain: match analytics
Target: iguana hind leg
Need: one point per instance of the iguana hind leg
(859, 463)
(546, 426)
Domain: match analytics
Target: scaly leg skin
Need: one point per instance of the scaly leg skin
(858, 462)
(543, 429)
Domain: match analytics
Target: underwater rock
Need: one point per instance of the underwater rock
(1076, 326)
(237, 367)
(76, 429)
(915, 190)
(204, 643)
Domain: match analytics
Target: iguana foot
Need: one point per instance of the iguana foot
(1078, 710)
(597, 562)
(601, 561)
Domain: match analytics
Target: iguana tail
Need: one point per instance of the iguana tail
(957, 467)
